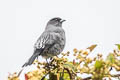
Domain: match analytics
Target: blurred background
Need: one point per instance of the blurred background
(88, 22)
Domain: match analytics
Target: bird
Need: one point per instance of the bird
(51, 42)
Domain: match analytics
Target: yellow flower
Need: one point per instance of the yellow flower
(75, 50)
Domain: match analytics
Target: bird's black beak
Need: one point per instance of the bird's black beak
(62, 21)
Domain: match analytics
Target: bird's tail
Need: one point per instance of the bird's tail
(33, 57)
(31, 60)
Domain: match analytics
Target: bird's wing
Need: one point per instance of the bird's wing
(46, 39)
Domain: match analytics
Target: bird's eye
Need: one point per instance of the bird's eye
(56, 19)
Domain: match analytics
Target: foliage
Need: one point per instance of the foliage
(63, 69)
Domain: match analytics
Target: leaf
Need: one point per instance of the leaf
(118, 45)
(111, 58)
(98, 64)
(92, 47)
(26, 77)
(66, 76)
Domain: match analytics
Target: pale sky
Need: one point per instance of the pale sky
(87, 22)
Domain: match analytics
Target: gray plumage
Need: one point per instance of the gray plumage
(51, 42)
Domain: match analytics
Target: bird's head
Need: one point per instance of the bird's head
(57, 21)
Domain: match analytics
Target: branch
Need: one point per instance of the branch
(114, 75)
(72, 75)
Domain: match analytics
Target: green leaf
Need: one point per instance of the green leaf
(118, 45)
(98, 64)
(66, 76)
(117, 62)
(111, 58)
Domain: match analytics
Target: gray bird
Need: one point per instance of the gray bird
(51, 42)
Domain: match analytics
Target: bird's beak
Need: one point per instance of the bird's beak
(62, 21)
